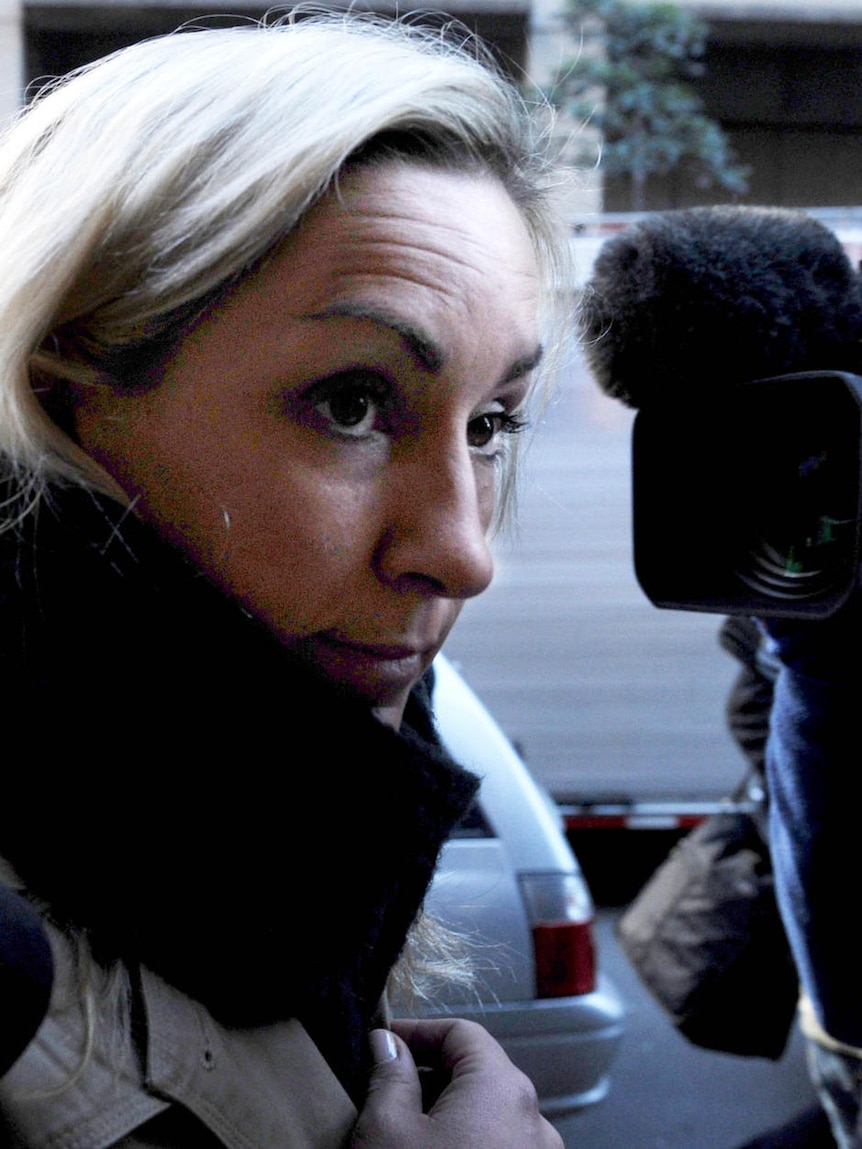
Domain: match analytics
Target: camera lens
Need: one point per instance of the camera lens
(749, 500)
(802, 533)
(779, 572)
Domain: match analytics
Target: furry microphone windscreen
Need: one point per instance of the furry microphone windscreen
(706, 297)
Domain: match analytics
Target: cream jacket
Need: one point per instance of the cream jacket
(128, 1061)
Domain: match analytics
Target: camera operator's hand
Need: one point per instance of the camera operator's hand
(827, 649)
(484, 1102)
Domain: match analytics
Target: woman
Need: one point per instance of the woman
(273, 301)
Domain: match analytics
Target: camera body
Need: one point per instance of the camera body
(749, 501)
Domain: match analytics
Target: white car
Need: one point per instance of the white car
(509, 881)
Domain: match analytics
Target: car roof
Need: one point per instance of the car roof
(518, 811)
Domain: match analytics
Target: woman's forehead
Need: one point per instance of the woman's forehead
(442, 233)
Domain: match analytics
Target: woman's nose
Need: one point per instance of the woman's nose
(436, 540)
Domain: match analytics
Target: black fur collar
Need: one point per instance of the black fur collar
(195, 800)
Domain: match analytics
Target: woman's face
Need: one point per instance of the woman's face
(325, 444)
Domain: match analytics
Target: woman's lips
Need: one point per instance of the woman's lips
(375, 670)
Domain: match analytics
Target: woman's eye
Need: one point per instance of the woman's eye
(351, 406)
(349, 409)
(485, 431)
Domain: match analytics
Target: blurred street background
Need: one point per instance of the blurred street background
(604, 694)
(668, 1094)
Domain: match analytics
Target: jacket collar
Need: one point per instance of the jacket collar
(254, 837)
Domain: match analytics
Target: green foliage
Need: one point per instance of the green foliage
(631, 81)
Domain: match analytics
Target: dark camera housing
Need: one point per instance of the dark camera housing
(749, 502)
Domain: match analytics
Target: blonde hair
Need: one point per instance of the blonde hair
(137, 190)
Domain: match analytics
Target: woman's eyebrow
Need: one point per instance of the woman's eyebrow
(524, 365)
(421, 346)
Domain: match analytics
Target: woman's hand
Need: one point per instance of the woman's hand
(484, 1101)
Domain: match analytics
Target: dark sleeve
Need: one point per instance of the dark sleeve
(26, 976)
(815, 782)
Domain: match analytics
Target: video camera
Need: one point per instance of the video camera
(753, 504)
(747, 491)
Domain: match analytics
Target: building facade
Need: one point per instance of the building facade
(783, 78)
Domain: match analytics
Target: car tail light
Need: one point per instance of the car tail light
(560, 910)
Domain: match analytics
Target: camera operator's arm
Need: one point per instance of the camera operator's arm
(815, 781)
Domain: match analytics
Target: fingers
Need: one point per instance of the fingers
(483, 1101)
(417, 1081)
(394, 1073)
(450, 1042)
(394, 1098)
